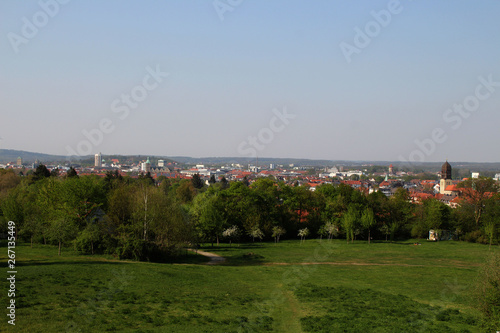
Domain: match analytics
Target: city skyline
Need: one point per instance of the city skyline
(371, 80)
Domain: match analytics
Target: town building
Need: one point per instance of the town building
(146, 166)
(445, 178)
(98, 160)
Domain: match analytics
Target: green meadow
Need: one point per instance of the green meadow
(313, 286)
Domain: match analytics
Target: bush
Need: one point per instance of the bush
(487, 293)
(475, 237)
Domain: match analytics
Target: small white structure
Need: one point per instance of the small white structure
(442, 235)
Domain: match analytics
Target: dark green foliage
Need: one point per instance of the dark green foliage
(487, 293)
(197, 181)
(71, 173)
(41, 172)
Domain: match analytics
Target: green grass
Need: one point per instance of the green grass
(261, 287)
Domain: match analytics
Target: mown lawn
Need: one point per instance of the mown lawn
(287, 287)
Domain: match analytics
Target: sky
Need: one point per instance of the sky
(409, 81)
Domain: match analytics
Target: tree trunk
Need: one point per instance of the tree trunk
(92, 246)
(145, 216)
(369, 238)
(59, 248)
(31, 238)
(217, 240)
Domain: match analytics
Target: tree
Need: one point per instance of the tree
(224, 183)
(491, 218)
(209, 216)
(146, 178)
(303, 233)
(277, 233)
(475, 192)
(62, 229)
(256, 233)
(71, 173)
(349, 223)
(330, 229)
(41, 172)
(487, 293)
(197, 181)
(232, 233)
(185, 192)
(436, 215)
(54, 172)
(385, 230)
(368, 221)
(8, 180)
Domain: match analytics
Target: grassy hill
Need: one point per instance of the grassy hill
(262, 287)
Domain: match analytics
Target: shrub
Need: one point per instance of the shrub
(487, 293)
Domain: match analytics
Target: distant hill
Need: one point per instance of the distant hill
(248, 160)
(10, 155)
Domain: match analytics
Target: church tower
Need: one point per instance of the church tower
(445, 178)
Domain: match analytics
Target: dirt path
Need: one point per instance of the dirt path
(215, 259)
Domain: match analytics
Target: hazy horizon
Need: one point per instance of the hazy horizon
(357, 81)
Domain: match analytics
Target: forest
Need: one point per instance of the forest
(146, 219)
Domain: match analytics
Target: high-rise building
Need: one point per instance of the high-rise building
(98, 160)
(19, 161)
(161, 163)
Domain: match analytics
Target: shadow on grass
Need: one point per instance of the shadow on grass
(85, 260)
(245, 259)
(226, 248)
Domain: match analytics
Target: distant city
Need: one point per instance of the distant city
(368, 178)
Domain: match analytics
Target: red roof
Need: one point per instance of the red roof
(352, 182)
(451, 188)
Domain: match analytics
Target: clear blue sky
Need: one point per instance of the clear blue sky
(225, 78)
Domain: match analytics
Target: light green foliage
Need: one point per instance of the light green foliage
(255, 232)
(303, 233)
(277, 233)
(349, 221)
(368, 221)
(209, 216)
(232, 234)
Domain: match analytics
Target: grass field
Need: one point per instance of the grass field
(262, 287)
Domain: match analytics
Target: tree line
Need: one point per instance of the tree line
(146, 219)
